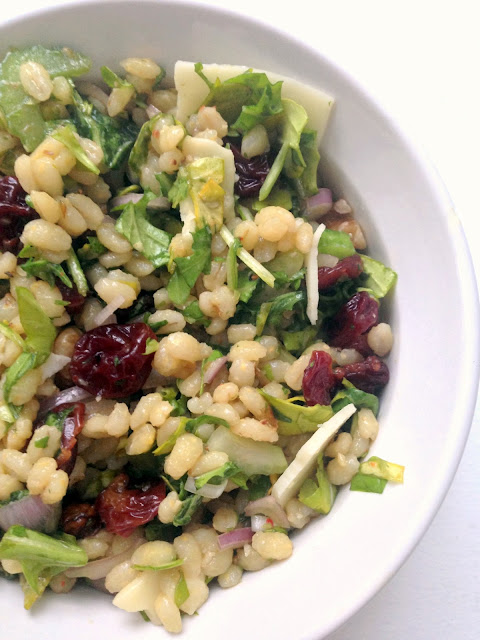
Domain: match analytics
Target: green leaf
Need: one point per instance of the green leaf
(113, 80)
(21, 112)
(368, 484)
(91, 250)
(168, 445)
(232, 265)
(150, 346)
(188, 269)
(116, 136)
(217, 476)
(309, 151)
(163, 567)
(139, 152)
(46, 271)
(22, 365)
(194, 423)
(41, 443)
(319, 495)
(142, 234)
(359, 398)
(336, 243)
(246, 285)
(12, 335)
(181, 591)
(295, 418)
(57, 419)
(37, 325)
(188, 508)
(298, 341)
(380, 278)
(66, 135)
(382, 469)
(279, 197)
(271, 313)
(258, 487)
(41, 556)
(179, 190)
(193, 314)
(76, 271)
(15, 496)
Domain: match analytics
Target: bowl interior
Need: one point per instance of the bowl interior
(341, 560)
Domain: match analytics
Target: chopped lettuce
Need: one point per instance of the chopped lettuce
(244, 100)
(194, 423)
(382, 469)
(297, 418)
(361, 399)
(217, 476)
(22, 113)
(367, 484)
(138, 154)
(309, 151)
(178, 191)
(37, 325)
(42, 557)
(318, 494)
(47, 271)
(66, 135)
(380, 279)
(188, 269)
(298, 341)
(134, 224)
(336, 243)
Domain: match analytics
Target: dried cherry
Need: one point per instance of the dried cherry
(80, 519)
(251, 172)
(348, 268)
(349, 326)
(370, 376)
(318, 379)
(110, 361)
(14, 214)
(123, 510)
(72, 296)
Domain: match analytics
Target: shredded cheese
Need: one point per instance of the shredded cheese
(311, 277)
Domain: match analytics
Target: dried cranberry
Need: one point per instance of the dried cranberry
(318, 379)
(345, 269)
(72, 296)
(110, 361)
(123, 510)
(251, 172)
(370, 376)
(14, 214)
(72, 426)
(80, 520)
(349, 326)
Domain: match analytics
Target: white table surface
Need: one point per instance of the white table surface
(421, 59)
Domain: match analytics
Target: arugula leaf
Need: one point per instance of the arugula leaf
(163, 567)
(77, 273)
(139, 152)
(91, 250)
(289, 157)
(188, 269)
(246, 285)
(295, 418)
(193, 314)
(359, 398)
(217, 476)
(380, 278)
(336, 243)
(368, 484)
(46, 271)
(188, 508)
(113, 80)
(41, 556)
(298, 341)
(37, 325)
(66, 135)
(244, 100)
(116, 136)
(258, 487)
(134, 225)
(271, 313)
(179, 189)
(193, 423)
(22, 113)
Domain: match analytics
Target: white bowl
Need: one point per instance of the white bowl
(340, 561)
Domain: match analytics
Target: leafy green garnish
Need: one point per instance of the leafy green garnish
(113, 80)
(163, 567)
(150, 346)
(22, 113)
(382, 469)
(246, 285)
(193, 423)
(309, 151)
(368, 484)
(359, 398)
(46, 271)
(12, 335)
(41, 443)
(142, 234)
(188, 269)
(188, 508)
(15, 496)
(295, 418)
(168, 445)
(37, 325)
(217, 476)
(76, 271)
(116, 136)
(181, 591)
(320, 494)
(139, 152)
(232, 265)
(194, 315)
(41, 556)
(57, 419)
(380, 279)
(179, 189)
(298, 341)
(66, 135)
(258, 487)
(336, 243)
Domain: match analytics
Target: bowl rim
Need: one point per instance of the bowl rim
(464, 266)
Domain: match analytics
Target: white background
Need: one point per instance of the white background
(421, 60)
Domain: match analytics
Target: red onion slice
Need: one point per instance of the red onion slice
(235, 539)
(119, 201)
(214, 369)
(152, 111)
(319, 204)
(32, 513)
(269, 507)
(73, 394)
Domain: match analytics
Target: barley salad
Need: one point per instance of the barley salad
(191, 341)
